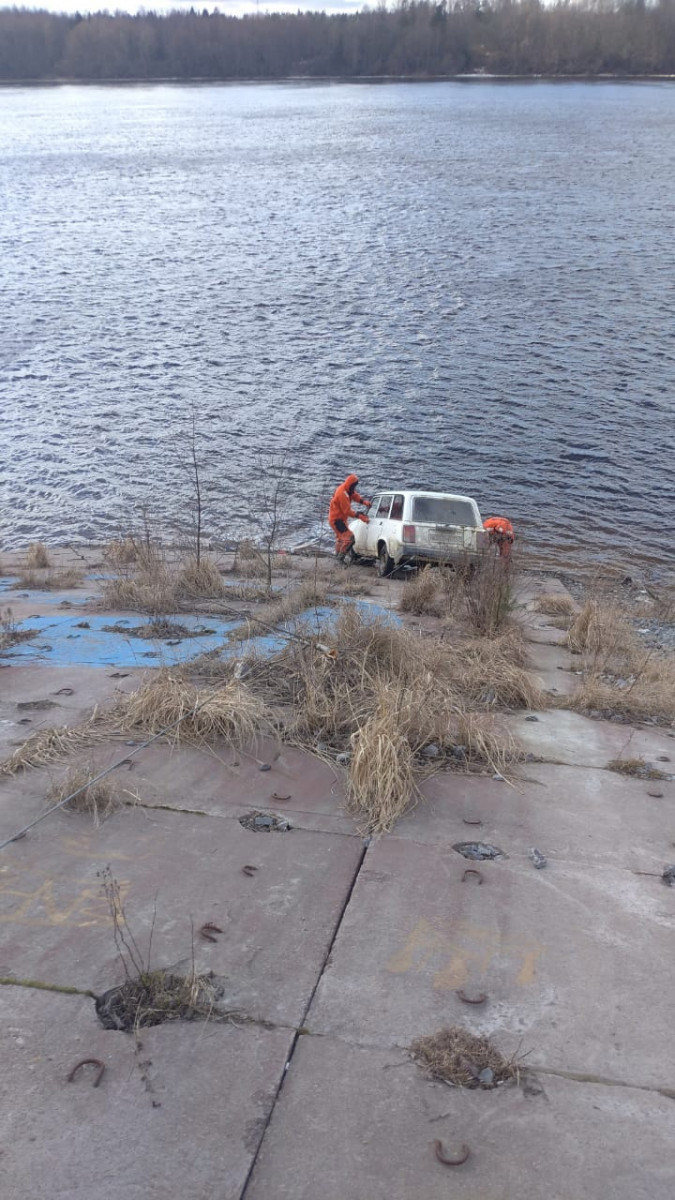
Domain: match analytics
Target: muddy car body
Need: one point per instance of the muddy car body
(407, 527)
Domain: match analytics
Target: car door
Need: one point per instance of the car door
(379, 515)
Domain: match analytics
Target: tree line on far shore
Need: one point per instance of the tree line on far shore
(415, 38)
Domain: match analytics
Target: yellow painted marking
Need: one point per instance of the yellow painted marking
(40, 907)
(465, 951)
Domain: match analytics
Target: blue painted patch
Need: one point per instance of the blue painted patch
(61, 643)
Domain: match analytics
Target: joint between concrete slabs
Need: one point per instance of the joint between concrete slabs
(302, 1031)
(40, 985)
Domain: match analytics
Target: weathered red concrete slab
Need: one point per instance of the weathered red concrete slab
(567, 737)
(190, 1128)
(359, 1124)
(582, 816)
(277, 923)
(567, 957)
(25, 685)
(214, 779)
(221, 780)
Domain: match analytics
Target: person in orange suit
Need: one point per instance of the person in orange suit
(341, 510)
(500, 530)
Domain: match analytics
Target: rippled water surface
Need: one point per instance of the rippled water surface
(465, 286)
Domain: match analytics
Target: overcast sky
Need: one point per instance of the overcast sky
(233, 7)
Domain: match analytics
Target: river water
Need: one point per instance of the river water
(466, 286)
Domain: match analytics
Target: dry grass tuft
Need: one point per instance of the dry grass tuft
(381, 770)
(37, 557)
(200, 580)
(154, 585)
(48, 581)
(600, 629)
(636, 767)
(383, 694)
(121, 551)
(555, 605)
(231, 712)
(100, 798)
(305, 596)
(485, 742)
(492, 671)
(458, 1057)
(47, 745)
(10, 634)
(423, 595)
(487, 594)
(622, 677)
(156, 996)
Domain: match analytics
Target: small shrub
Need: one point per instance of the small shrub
(121, 551)
(487, 594)
(37, 557)
(100, 799)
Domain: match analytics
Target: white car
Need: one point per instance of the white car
(419, 527)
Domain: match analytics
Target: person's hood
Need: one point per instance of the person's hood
(351, 480)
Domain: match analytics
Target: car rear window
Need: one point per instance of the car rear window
(442, 510)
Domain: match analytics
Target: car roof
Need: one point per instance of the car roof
(419, 492)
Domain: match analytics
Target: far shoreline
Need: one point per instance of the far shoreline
(477, 77)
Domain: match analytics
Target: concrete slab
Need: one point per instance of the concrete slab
(589, 816)
(215, 780)
(187, 1123)
(567, 737)
(277, 923)
(225, 782)
(567, 957)
(26, 688)
(353, 1123)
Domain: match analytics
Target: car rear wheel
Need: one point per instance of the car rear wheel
(385, 563)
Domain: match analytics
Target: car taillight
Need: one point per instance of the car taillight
(408, 533)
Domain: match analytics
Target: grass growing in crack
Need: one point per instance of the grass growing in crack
(10, 634)
(100, 798)
(37, 556)
(621, 676)
(458, 1057)
(636, 767)
(148, 996)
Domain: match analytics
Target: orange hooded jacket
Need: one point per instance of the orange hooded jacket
(341, 503)
(499, 525)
